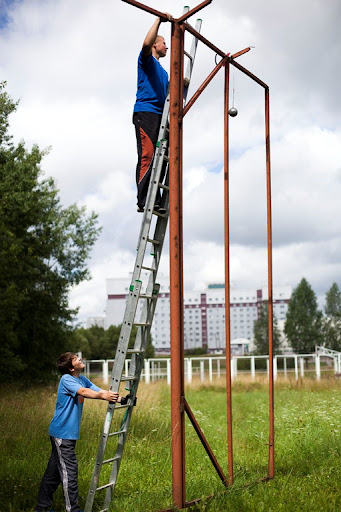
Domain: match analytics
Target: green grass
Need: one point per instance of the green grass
(307, 448)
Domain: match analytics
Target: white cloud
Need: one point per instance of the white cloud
(73, 66)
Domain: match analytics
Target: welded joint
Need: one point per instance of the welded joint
(182, 404)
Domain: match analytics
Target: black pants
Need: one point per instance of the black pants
(62, 468)
(147, 125)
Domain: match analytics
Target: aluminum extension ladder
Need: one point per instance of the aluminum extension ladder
(136, 294)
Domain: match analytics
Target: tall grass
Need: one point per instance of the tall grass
(308, 448)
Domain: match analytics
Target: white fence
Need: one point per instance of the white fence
(208, 368)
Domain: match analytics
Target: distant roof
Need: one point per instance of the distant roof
(216, 285)
(240, 341)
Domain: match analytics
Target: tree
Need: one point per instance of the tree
(102, 344)
(261, 332)
(43, 253)
(332, 321)
(303, 324)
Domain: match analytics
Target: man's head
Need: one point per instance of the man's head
(159, 47)
(69, 363)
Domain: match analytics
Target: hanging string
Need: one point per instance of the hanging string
(233, 111)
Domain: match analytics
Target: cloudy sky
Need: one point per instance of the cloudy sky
(72, 64)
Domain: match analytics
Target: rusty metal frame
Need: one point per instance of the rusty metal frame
(179, 405)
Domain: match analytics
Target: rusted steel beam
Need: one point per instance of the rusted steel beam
(146, 8)
(203, 39)
(204, 85)
(271, 459)
(193, 11)
(176, 265)
(241, 52)
(248, 73)
(205, 443)
(227, 275)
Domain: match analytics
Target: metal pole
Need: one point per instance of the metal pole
(227, 275)
(176, 266)
(271, 459)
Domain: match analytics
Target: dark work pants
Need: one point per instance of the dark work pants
(62, 468)
(147, 125)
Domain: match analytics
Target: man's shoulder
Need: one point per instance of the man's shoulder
(69, 384)
(146, 60)
(86, 383)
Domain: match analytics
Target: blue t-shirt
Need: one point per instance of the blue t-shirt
(152, 85)
(66, 421)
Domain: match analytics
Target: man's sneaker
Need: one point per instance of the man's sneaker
(140, 209)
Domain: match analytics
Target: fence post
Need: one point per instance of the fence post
(189, 370)
(275, 368)
(210, 374)
(218, 368)
(296, 368)
(202, 371)
(267, 366)
(168, 371)
(233, 368)
(105, 372)
(126, 369)
(302, 366)
(253, 367)
(335, 365)
(317, 367)
(146, 371)
(285, 367)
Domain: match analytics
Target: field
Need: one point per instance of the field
(307, 449)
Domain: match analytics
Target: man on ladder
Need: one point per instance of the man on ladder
(152, 86)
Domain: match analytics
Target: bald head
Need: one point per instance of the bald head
(159, 47)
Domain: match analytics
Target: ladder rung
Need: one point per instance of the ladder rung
(159, 214)
(142, 324)
(188, 55)
(119, 406)
(111, 460)
(134, 351)
(126, 379)
(165, 187)
(148, 268)
(117, 433)
(144, 296)
(104, 487)
(153, 241)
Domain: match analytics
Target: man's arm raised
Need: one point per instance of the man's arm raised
(149, 40)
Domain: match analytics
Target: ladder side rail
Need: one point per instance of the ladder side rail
(149, 207)
(192, 53)
(114, 385)
(131, 306)
(148, 214)
(149, 310)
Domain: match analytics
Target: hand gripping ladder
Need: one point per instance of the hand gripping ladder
(136, 294)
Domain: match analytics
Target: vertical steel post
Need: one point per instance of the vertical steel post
(176, 266)
(271, 459)
(227, 274)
